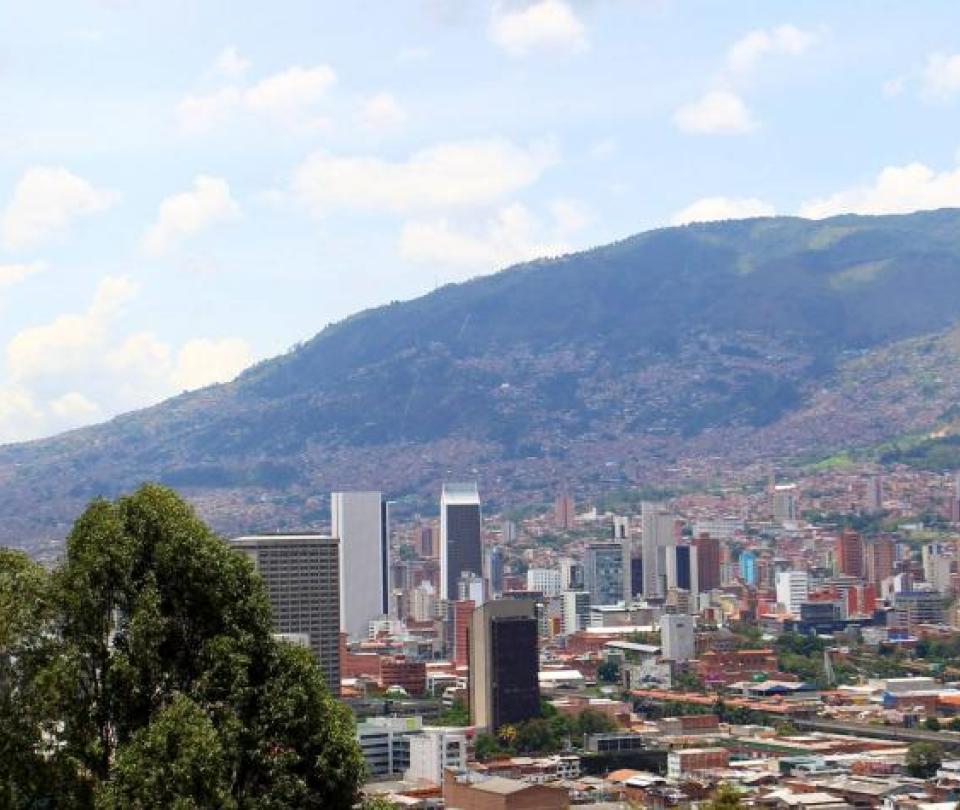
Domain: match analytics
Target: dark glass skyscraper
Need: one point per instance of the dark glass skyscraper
(460, 548)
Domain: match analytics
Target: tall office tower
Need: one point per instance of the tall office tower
(603, 573)
(462, 611)
(659, 533)
(473, 587)
(504, 664)
(911, 608)
(576, 611)
(493, 569)
(938, 562)
(786, 506)
(708, 561)
(544, 580)
(850, 554)
(873, 494)
(508, 531)
(682, 570)
(748, 567)
(423, 602)
(302, 576)
(677, 637)
(564, 511)
(571, 574)
(621, 533)
(621, 527)
(460, 548)
(879, 560)
(360, 521)
(793, 589)
(427, 545)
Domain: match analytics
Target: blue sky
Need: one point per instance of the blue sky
(186, 187)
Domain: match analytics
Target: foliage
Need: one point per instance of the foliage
(487, 747)
(725, 797)
(176, 761)
(923, 759)
(609, 672)
(931, 724)
(456, 715)
(163, 685)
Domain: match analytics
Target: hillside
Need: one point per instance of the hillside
(706, 348)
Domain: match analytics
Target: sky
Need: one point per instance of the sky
(190, 186)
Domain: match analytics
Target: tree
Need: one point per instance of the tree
(176, 761)
(164, 647)
(591, 721)
(486, 747)
(609, 672)
(725, 797)
(536, 736)
(931, 724)
(923, 759)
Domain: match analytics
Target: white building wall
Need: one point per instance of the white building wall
(356, 521)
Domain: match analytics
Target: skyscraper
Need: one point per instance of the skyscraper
(603, 573)
(302, 576)
(360, 521)
(564, 511)
(879, 560)
(850, 556)
(682, 570)
(493, 569)
(460, 548)
(504, 664)
(708, 561)
(659, 533)
(748, 567)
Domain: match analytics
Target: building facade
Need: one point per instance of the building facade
(460, 547)
(302, 576)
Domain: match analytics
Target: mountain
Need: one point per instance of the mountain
(677, 354)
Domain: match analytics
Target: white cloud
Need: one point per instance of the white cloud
(895, 190)
(203, 362)
(604, 149)
(230, 64)
(287, 97)
(201, 113)
(542, 25)
(291, 90)
(512, 235)
(19, 415)
(747, 52)
(70, 342)
(894, 87)
(449, 175)
(381, 112)
(11, 274)
(709, 209)
(46, 200)
(719, 112)
(188, 213)
(941, 76)
(74, 407)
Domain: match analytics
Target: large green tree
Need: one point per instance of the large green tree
(164, 662)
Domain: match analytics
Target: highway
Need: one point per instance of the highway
(945, 739)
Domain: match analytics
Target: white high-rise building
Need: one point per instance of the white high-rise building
(545, 580)
(360, 521)
(786, 503)
(677, 640)
(793, 589)
(576, 611)
(659, 528)
(460, 547)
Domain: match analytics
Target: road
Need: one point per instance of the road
(945, 739)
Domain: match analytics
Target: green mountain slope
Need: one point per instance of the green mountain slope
(600, 368)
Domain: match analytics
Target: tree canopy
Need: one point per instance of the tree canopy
(142, 672)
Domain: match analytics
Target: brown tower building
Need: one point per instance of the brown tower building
(850, 554)
(708, 561)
